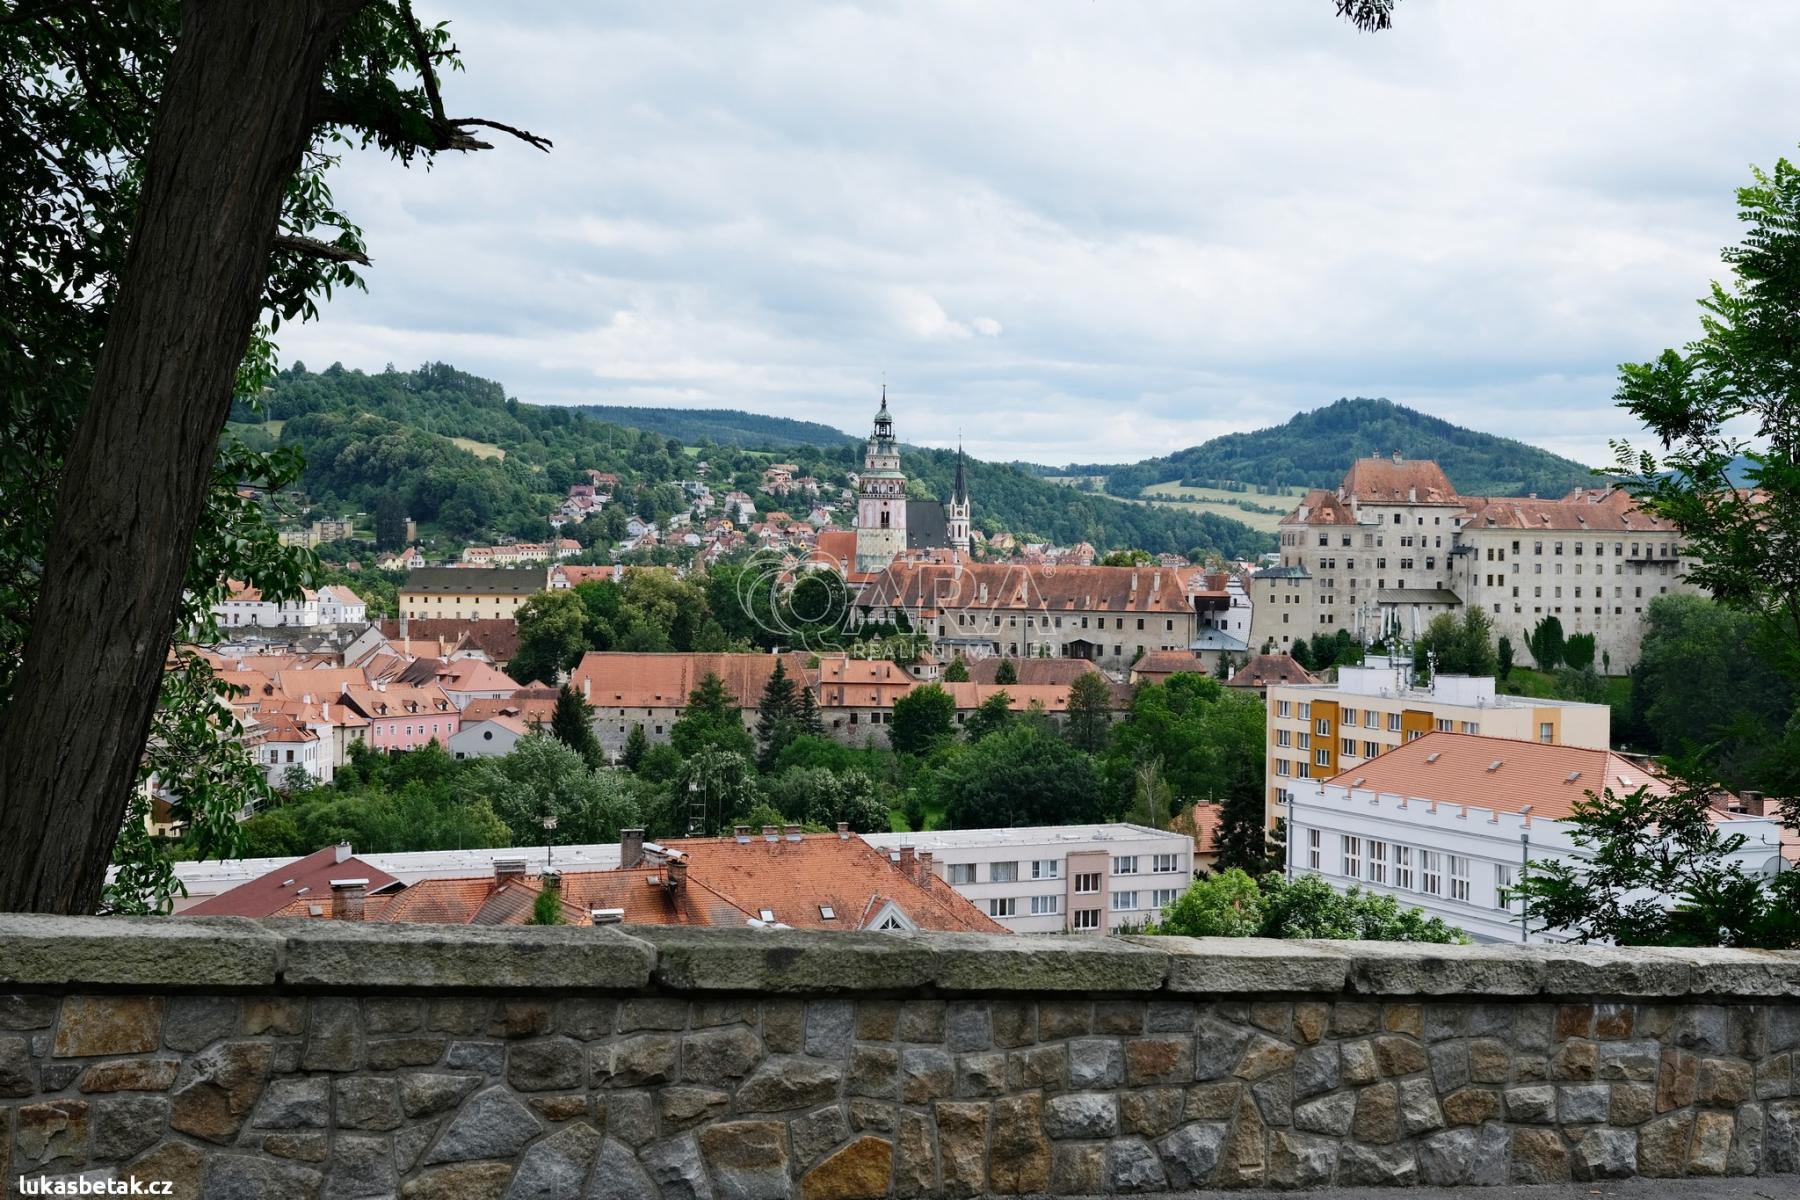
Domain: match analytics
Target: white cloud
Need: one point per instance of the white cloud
(1077, 232)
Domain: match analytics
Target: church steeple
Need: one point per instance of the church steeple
(960, 493)
(956, 513)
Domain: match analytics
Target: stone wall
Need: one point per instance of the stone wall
(275, 1059)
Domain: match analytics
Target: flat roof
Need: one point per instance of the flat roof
(1425, 695)
(1022, 835)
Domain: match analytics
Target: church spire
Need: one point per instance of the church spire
(960, 493)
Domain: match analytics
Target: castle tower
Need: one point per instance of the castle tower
(881, 504)
(956, 513)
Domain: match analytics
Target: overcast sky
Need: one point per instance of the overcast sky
(1074, 229)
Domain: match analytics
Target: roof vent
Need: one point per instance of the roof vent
(606, 916)
(1493, 766)
(1358, 781)
(1433, 756)
(1573, 776)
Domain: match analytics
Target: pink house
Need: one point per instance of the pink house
(404, 716)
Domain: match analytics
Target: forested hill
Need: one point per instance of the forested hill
(1314, 449)
(723, 426)
(454, 452)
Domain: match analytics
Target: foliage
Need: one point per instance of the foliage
(1546, 644)
(1128, 558)
(1208, 738)
(1024, 775)
(714, 788)
(1503, 659)
(923, 718)
(637, 745)
(1459, 645)
(1578, 651)
(547, 908)
(1708, 687)
(990, 716)
(1308, 451)
(553, 635)
(1006, 672)
(958, 670)
(1225, 904)
(711, 720)
(777, 716)
(709, 428)
(1656, 870)
(1233, 904)
(820, 797)
(572, 724)
(542, 778)
(1090, 712)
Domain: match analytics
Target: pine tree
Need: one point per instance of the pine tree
(572, 725)
(637, 744)
(806, 715)
(1090, 712)
(1006, 672)
(957, 671)
(776, 717)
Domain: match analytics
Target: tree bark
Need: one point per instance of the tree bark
(234, 120)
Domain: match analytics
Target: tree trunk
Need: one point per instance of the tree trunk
(234, 120)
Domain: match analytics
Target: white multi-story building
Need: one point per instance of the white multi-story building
(1447, 822)
(338, 605)
(1316, 731)
(245, 606)
(1058, 878)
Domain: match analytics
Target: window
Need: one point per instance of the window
(1284, 737)
(1322, 757)
(1378, 862)
(1546, 733)
(1445, 725)
(1304, 741)
(1312, 849)
(1370, 749)
(1003, 872)
(1352, 857)
(1503, 877)
(1393, 722)
(1305, 712)
(1322, 727)
(1371, 720)
(1431, 867)
(1283, 767)
(1124, 901)
(962, 873)
(827, 913)
(1471, 727)
(1087, 884)
(1003, 906)
(1282, 708)
(1163, 864)
(1046, 868)
(1349, 716)
(1126, 865)
(1046, 906)
(1087, 918)
(1459, 878)
(1347, 747)
(1403, 868)
(1166, 896)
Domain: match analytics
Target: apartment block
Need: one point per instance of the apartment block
(1317, 731)
(1057, 878)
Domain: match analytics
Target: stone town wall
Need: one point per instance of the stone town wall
(297, 1059)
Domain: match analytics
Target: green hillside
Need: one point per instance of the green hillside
(722, 426)
(466, 461)
(1313, 449)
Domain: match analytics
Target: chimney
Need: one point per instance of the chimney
(741, 833)
(771, 833)
(508, 869)
(926, 867)
(906, 860)
(1755, 804)
(843, 831)
(675, 872)
(631, 848)
(792, 832)
(347, 899)
(586, 688)
(340, 852)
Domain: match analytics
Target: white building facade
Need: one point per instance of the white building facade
(1058, 878)
(1448, 823)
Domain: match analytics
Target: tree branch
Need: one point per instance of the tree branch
(524, 135)
(314, 248)
(422, 52)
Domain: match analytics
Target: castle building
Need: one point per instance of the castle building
(1396, 544)
(889, 525)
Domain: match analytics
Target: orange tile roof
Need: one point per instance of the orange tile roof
(627, 680)
(399, 700)
(326, 683)
(1583, 510)
(528, 708)
(1397, 481)
(1163, 663)
(1032, 670)
(1265, 669)
(473, 675)
(1021, 696)
(1458, 768)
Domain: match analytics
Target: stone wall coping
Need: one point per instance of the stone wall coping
(235, 953)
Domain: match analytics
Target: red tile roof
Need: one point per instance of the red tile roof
(1032, 670)
(1266, 669)
(306, 880)
(626, 680)
(1460, 768)
(1157, 665)
(1397, 481)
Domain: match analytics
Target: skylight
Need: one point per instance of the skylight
(826, 913)
(767, 914)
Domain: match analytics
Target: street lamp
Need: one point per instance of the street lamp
(548, 821)
(1524, 866)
